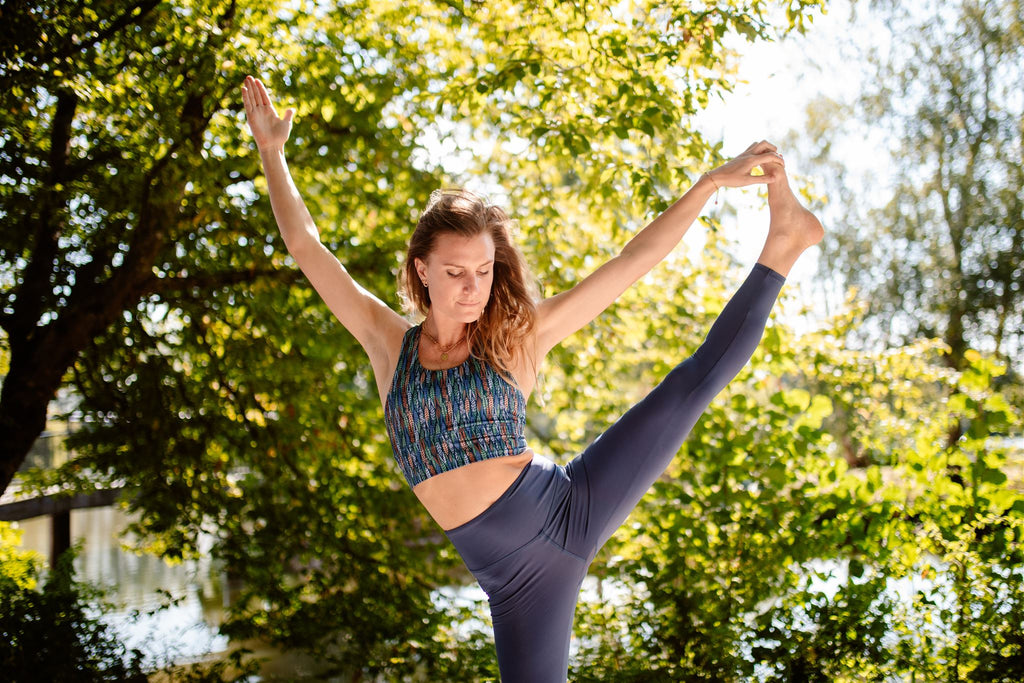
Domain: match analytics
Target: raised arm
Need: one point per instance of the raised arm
(369, 319)
(565, 313)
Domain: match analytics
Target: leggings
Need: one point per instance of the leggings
(531, 548)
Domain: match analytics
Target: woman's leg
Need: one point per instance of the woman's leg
(611, 476)
(615, 471)
(532, 582)
(533, 590)
(533, 612)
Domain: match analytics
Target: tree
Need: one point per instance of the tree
(141, 267)
(940, 252)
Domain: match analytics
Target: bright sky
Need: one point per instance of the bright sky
(779, 78)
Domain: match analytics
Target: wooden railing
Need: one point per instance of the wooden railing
(58, 508)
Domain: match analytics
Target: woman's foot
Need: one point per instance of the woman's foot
(792, 228)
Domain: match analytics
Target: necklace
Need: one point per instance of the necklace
(442, 349)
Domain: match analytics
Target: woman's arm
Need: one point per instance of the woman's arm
(563, 314)
(368, 318)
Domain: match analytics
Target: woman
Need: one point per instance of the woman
(455, 387)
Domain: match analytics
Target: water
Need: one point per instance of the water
(171, 613)
(168, 612)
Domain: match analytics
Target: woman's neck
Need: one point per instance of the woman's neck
(444, 332)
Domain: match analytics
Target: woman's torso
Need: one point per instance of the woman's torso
(455, 497)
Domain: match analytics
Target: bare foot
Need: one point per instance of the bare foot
(792, 228)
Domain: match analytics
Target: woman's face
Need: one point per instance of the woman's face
(458, 273)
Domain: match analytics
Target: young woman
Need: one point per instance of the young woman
(455, 387)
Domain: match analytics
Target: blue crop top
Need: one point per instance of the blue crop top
(439, 420)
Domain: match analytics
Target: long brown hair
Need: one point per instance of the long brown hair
(500, 334)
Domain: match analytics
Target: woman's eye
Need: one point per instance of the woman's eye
(483, 273)
(454, 274)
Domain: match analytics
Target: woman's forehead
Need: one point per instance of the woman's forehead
(452, 249)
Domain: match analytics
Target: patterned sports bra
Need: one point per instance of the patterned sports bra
(439, 420)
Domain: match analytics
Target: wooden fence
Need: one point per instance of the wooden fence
(58, 508)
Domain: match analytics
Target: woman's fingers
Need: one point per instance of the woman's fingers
(771, 171)
(249, 94)
(254, 93)
(771, 166)
(760, 148)
(766, 158)
(263, 95)
(269, 130)
(739, 172)
(746, 163)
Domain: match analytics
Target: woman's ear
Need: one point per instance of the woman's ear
(421, 270)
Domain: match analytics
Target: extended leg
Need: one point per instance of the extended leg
(533, 590)
(618, 468)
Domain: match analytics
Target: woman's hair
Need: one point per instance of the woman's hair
(507, 321)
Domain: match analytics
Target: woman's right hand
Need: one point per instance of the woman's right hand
(268, 129)
(738, 172)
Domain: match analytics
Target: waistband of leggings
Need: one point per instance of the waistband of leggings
(517, 515)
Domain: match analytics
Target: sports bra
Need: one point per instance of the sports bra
(440, 420)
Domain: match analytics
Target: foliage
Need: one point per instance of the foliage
(18, 567)
(936, 252)
(59, 633)
(236, 666)
(54, 634)
(764, 555)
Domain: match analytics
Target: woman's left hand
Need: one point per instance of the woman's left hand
(738, 172)
(268, 129)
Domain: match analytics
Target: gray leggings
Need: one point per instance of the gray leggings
(531, 548)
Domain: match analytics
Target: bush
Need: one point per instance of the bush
(55, 634)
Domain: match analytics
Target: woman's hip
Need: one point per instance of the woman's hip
(515, 519)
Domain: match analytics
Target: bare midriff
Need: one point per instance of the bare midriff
(455, 497)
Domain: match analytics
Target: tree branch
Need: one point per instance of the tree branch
(166, 286)
(34, 290)
(130, 16)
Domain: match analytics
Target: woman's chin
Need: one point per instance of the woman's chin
(461, 313)
(469, 314)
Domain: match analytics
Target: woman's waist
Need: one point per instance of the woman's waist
(457, 496)
(487, 519)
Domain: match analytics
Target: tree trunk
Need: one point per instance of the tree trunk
(23, 404)
(38, 362)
